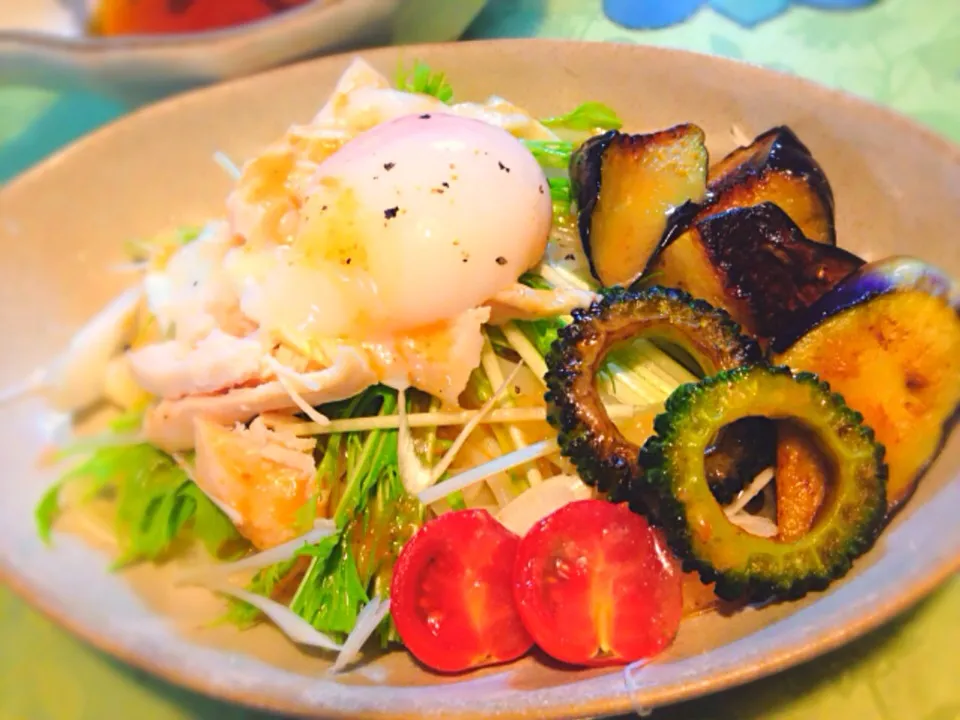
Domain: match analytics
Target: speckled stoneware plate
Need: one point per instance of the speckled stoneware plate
(64, 222)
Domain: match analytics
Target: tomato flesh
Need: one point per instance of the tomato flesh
(150, 17)
(452, 593)
(594, 585)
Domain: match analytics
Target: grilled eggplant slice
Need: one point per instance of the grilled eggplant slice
(888, 339)
(753, 262)
(587, 436)
(626, 187)
(776, 147)
(673, 491)
(792, 193)
(776, 167)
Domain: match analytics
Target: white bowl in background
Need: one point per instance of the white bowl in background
(43, 42)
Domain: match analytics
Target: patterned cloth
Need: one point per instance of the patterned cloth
(647, 14)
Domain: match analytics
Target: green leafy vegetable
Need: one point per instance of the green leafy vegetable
(142, 250)
(367, 461)
(264, 582)
(544, 331)
(374, 514)
(456, 502)
(331, 594)
(156, 505)
(551, 153)
(588, 116)
(421, 79)
(560, 190)
(47, 511)
(307, 512)
(209, 525)
(128, 422)
(535, 281)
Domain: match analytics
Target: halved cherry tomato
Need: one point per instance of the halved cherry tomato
(452, 593)
(595, 586)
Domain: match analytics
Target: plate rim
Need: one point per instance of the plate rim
(829, 639)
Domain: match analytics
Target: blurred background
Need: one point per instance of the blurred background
(68, 66)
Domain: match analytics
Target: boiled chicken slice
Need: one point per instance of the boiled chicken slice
(170, 424)
(520, 302)
(439, 360)
(174, 368)
(266, 477)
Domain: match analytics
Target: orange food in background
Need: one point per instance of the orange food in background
(158, 17)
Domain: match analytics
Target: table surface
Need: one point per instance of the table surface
(901, 53)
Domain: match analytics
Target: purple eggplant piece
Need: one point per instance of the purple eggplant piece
(754, 262)
(626, 187)
(887, 338)
(776, 167)
(876, 278)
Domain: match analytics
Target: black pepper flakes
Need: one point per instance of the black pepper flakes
(425, 116)
(501, 260)
(570, 256)
(391, 213)
(389, 166)
(445, 184)
(465, 259)
(540, 189)
(503, 167)
(349, 260)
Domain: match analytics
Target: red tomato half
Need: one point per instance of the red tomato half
(148, 17)
(595, 586)
(452, 593)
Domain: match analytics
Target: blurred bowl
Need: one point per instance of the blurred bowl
(43, 42)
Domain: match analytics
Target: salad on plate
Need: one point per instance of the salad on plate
(449, 377)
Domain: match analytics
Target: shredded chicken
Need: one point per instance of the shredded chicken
(218, 362)
(525, 303)
(440, 362)
(192, 294)
(264, 476)
(170, 424)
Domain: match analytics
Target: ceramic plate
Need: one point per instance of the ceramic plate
(63, 223)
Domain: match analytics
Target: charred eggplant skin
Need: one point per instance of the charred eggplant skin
(586, 434)
(585, 175)
(754, 262)
(888, 338)
(878, 278)
(778, 147)
(775, 167)
(674, 494)
(625, 187)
